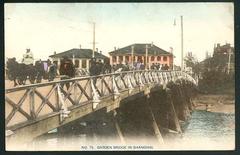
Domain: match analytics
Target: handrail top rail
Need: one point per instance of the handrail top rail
(79, 79)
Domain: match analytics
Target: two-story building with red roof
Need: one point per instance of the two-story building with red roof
(139, 52)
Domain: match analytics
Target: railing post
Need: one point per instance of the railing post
(115, 88)
(75, 92)
(161, 78)
(133, 78)
(130, 87)
(32, 103)
(63, 111)
(150, 77)
(156, 77)
(57, 98)
(147, 77)
(165, 80)
(95, 94)
(140, 79)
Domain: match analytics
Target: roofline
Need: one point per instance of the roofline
(139, 54)
(140, 44)
(54, 55)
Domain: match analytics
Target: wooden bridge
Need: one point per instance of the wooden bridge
(35, 109)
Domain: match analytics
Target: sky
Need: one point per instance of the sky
(49, 27)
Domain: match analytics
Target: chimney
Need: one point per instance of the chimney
(152, 44)
(28, 49)
(100, 52)
(218, 45)
(55, 52)
(80, 46)
(97, 49)
(115, 48)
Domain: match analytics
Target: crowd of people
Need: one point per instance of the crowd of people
(68, 70)
(158, 66)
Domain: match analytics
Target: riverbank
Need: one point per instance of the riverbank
(222, 103)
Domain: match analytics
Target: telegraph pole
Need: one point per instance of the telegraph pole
(93, 53)
(146, 65)
(181, 43)
(132, 55)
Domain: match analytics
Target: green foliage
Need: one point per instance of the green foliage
(214, 76)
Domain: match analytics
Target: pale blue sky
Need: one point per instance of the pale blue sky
(49, 27)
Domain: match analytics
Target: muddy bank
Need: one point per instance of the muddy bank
(222, 103)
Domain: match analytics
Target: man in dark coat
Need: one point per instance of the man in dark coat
(93, 69)
(66, 70)
(52, 71)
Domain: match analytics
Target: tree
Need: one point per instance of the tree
(192, 62)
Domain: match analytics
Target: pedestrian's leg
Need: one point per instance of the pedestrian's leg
(67, 85)
(62, 84)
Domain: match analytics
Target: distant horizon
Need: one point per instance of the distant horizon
(49, 27)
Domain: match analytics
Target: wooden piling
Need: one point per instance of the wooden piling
(173, 111)
(184, 111)
(119, 132)
(155, 125)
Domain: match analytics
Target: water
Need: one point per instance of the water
(207, 131)
(204, 131)
(209, 124)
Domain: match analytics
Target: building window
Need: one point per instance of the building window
(84, 63)
(134, 58)
(127, 58)
(139, 59)
(76, 63)
(120, 58)
(159, 58)
(164, 58)
(114, 58)
(152, 58)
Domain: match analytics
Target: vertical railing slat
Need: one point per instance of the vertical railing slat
(32, 103)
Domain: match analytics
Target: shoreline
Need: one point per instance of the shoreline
(221, 103)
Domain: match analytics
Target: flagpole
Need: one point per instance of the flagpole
(93, 52)
(181, 43)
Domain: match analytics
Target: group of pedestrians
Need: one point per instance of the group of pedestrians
(158, 66)
(98, 67)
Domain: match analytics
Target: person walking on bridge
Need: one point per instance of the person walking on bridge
(66, 71)
(93, 70)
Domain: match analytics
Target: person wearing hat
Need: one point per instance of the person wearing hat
(66, 70)
(28, 58)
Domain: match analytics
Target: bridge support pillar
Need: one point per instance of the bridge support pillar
(180, 103)
(173, 113)
(117, 126)
(154, 124)
(139, 121)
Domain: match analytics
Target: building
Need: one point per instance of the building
(137, 52)
(224, 55)
(80, 57)
(222, 50)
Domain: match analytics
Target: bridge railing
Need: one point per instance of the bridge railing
(27, 104)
